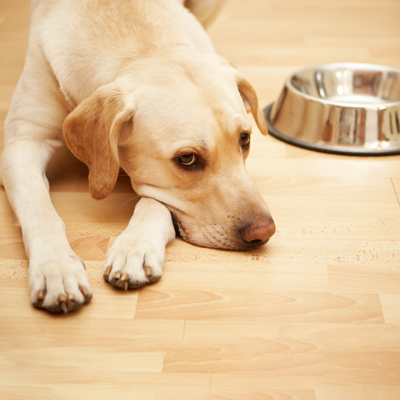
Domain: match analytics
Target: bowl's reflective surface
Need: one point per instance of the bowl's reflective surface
(340, 108)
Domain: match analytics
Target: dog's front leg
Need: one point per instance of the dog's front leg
(137, 255)
(57, 277)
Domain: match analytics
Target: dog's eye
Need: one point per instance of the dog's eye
(245, 140)
(187, 159)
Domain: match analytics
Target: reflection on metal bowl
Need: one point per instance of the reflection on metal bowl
(349, 108)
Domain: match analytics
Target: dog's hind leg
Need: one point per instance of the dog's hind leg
(57, 278)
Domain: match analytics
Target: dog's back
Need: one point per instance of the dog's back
(89, 44)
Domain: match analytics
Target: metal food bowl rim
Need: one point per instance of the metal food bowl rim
(347, 65)
(322, 149)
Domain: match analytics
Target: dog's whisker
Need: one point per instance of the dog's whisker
(133, 198)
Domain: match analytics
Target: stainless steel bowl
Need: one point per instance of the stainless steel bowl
(349, 108)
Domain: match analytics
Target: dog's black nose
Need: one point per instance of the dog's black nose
(260, 229)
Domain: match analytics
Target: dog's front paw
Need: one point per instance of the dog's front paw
(133, 262)
(59, 283)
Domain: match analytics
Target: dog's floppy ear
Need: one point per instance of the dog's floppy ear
(251, 102)
(92, 131)
(249, 96)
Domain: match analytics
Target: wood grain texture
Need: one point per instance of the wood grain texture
(314, 315)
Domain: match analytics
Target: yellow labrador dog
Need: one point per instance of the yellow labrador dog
(134, 84)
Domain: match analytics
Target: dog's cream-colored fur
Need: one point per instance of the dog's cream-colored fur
(133, 84)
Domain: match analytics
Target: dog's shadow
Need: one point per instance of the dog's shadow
(68, 174)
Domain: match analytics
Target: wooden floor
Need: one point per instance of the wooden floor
(314, 315)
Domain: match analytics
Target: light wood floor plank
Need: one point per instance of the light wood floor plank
(124, 333)
(350, 392)
(391, 307)
(270, 306)
(272, 394)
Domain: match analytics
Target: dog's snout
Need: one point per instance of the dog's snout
(259, 230)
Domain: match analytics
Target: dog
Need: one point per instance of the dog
(137, 85)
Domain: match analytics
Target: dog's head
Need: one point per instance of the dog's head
(181, 132)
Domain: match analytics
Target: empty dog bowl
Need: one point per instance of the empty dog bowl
(349, 108)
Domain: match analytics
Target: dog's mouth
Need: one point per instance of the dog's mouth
(214, 238)
(176, 225)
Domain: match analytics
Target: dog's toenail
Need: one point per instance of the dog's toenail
(148, 271)
(62, 298)
(71, 297)
(108, 271)
(118, 274)
(40, 294)
(84, 290)
(124, 277)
